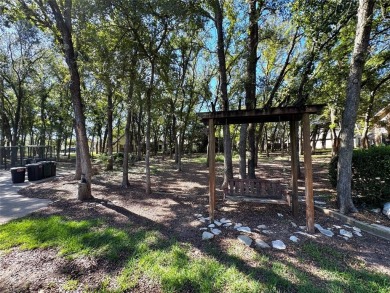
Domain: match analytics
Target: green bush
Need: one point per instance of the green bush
(370, 174)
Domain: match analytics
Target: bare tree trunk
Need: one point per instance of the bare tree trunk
(242, 150)
(64, 25)
(228, 165)
(126, 150)
(110, 163)
(344, 168)
(250, 82)
(125, 176)
(148, 184)
(282, 140)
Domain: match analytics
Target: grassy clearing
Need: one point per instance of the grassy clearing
(174, 266)
(203, 159)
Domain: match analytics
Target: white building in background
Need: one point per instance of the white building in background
(382, 126)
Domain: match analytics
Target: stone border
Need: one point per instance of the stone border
(374, 229)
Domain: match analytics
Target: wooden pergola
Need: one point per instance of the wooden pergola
(276, 114)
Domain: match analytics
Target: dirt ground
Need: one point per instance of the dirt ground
(176, 197)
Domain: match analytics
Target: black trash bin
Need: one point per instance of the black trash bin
(34, 172)
(18, 174)
(53, 168)
(46, 169)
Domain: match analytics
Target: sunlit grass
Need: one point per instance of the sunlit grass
(141, 254)
(71, 238)
(203, 159)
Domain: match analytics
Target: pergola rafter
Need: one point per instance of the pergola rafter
(274, 114)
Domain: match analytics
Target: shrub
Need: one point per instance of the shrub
(370, 174)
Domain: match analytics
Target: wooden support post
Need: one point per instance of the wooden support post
(294, 167)
(308, 174)
(211, 169)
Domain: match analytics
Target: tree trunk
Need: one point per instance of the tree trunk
(242, 150)
(110, 163)
(42, 134)
(228, 165)
(125, 176)
(64, 26)
(148, 184)
(344, 168)
(250, 82)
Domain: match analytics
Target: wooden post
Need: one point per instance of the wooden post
(211, 169)
(308, 174)
(294, 166)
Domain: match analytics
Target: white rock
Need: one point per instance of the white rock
(294, 225)
(337, 226)
(237, 225)
(357, 233)
(268, 232)
(262, 227)
(280, 215)
(386, 209)
(217, 223)
(377, 210)
(345, 233)
(207, 218)
(278, 244)
(305, 234)
(326, 232)
(203, 229)
(211, 226)
(227, 224)
(198, 215)
(356, 229)
(302, 227)
(244, 229)
(347, 226)
(245, 239)
(216, 231)
(224, 221)
(261, 244)
(207, 235)
(319, 202)
(294, 238)
(202, 220)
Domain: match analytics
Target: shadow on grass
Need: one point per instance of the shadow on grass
(134, 246)
(139, 247)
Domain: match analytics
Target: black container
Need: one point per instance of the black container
(18, 174)
(46, 169)
(53, 168)
(34, 172)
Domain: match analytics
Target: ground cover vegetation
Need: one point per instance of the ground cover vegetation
(124, 242)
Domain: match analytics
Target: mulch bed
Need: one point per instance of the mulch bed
(176, 197)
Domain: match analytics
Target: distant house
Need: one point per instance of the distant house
(381, 126)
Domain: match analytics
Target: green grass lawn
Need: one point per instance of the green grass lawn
(177, 266)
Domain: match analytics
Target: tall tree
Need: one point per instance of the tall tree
(227, 142)
(57, 17)
(362, 37)
(250, 88)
